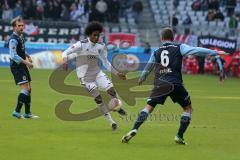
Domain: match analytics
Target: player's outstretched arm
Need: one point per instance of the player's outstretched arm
(72, 49)
(108, 66)
(189, 50)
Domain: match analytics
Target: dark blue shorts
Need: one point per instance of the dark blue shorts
(21, 75)
(179, 94)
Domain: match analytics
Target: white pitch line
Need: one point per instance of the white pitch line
(220, 97)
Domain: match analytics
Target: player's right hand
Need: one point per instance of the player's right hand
(28, 64)
(140, 82)
(122, 76)
(65, 66)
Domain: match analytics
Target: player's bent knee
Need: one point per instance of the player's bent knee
(98, 99)
(188, 109)
(151, 103)
(112, 92)
(149, 108)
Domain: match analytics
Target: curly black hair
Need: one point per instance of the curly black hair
(92, 27)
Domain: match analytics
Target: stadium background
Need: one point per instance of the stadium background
(212, 24)
(52, 25)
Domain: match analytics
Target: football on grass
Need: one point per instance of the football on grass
(114, 104)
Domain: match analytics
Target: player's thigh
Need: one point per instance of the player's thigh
(153, 101)
(91, 87)
(28, 74)
(103, 81)
(158, 94)
(21, 76)
(26, 86)
(181, 96)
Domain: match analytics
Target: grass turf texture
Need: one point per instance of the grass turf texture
(213, 133)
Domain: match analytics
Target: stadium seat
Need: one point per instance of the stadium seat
(212, 24)
(115, 29)
(221, 24)
(124, 29)
(133, 30)
(131, 21)
(122, 20)
(199, 13)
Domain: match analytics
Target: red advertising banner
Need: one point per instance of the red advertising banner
(122, 38)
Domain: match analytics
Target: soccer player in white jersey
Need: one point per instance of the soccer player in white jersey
(89, 52)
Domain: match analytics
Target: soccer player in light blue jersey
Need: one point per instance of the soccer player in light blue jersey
(167, 63)
(20, 62)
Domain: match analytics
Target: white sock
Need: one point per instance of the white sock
(109, 118)
(102, 108)
(105, 112)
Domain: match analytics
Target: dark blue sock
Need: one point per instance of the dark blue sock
(24, 97)
(19, 102)
(28, 104)
(141, 118)
(184, 122)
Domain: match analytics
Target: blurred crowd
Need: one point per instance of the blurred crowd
(67, 10)
(216, 10)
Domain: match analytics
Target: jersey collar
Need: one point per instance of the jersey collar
(91, 43)
(164, 42)
(20, 36)
(15, 34)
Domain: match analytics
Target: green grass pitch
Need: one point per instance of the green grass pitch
(214, 133)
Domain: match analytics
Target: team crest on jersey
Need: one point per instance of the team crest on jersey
(24, 78)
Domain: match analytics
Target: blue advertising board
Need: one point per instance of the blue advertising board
(49, 55)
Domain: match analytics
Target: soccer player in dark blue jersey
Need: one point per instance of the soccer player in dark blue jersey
(167, 63)
(19, 64)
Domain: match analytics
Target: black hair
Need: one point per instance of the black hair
(92, 27)
(167, 34)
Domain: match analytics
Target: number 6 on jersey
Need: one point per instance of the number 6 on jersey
(164, 58)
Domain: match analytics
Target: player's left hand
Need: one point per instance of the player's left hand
(122, 76)
(222, 53)
(29, 59)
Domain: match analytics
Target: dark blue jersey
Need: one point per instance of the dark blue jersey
(167, 61)
(16, 50)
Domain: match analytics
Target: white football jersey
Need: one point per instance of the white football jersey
(88, 56)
